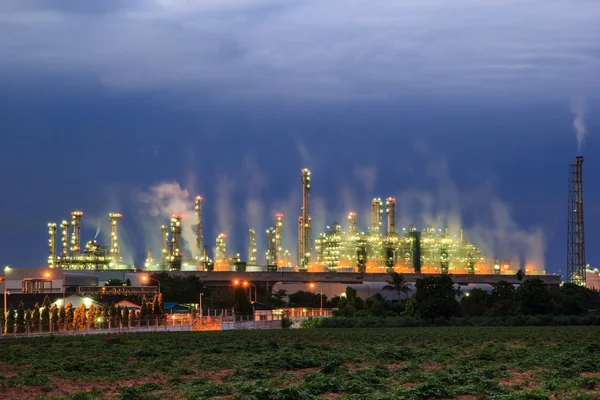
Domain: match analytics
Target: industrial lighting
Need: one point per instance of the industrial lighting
(47, 274)
(87, 302)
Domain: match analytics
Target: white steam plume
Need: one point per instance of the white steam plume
(578, 107)
(98, 229)
(224, 211)
(254, 207)
(167, 198)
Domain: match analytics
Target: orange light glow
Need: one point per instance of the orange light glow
(47, 274)
(245, 283)
(144, 278)
(236, 282)
(312, 285)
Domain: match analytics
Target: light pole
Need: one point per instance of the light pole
(6, 293)
(312, 286)
(145, 278)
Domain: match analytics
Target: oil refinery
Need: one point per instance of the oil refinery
(381, 248)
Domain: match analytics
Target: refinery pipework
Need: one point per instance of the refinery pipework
(114, 235)
(199, 234)
(251, 247)
(76, 236)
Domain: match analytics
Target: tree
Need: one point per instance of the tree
(69, 314)
(180, 289)
(476, 303)
(28, 320)
(155, 306)
(349, 304)
(128, 282)
(144, 309)
(36, 318)
(133, 317)
(275, 299)
(534, 298)
(572, 299)
(503, 299)
(45, 314)
(79, 317)
(54, 316)
(241, 304)
(125, 316)
(161, 305)
(398, 284)
(2, 318)
(91, 316)
(520, 275)
(62, 314)
(10, 319)
(115, 282)
(435, 297)
(112, 312)
(306, 299)
(20, 321)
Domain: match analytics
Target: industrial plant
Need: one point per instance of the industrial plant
(381, 248)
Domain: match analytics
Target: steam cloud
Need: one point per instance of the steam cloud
(98, 229)
(168, 198)
(578, 107)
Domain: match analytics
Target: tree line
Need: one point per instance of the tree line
(438, 297)
(50, 317)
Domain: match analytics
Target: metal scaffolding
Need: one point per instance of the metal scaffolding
(575, 232)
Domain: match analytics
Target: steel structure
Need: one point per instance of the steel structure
(575, 227)
(304, 223)
(251, 247)
(272, 248)
(199, 228)
(390, 210)
(176, 252)
(76, 236)
(164, 251)
(376, 216)
(279, 258)
(114, 235)
(52, 245)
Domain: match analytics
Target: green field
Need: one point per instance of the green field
(403, 363)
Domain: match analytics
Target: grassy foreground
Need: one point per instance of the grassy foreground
(394, 363)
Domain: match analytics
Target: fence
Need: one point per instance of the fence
(305, 312)
(172, 323)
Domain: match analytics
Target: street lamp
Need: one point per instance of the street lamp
(246, 284)
(201, 313)
(145, 279)
(312, 286)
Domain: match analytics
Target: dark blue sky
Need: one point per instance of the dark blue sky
(462, 112)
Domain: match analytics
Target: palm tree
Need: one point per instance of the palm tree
(398, 284)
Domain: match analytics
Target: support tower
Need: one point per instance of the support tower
(376, 216)
(279, 239)
(114, 236)
(575, 232)
(64, 240)
(304, 224)
(164, 252)
(352, 226)
(52, 245)
(390, 210)
(251, 247)
(221, 249)
(272, 248)
(76, 236)
(176, 251)
(199, 235)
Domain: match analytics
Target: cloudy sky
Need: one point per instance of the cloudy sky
(467, 111)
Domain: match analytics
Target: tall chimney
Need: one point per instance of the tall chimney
(279, 238)
(176, 250)
(272, 248)
(64, 226)
(376, 216)
(164, 252)
(576, 266)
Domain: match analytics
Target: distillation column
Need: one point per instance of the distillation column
(64, 254)
(376, 216)
(199, 235)
(271, 249)
(251, 247)
(279, 239)
(164, 252)
(114, 236)
(390, 210)
(304, 224)
(176, 251)
(76, 236)
(221, 249)
(352, 225)
(52, 245)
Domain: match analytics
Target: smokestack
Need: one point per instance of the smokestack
(390, 210)
(149, 259)
(64, 226)
(114, 235)
(279, 239)
(272, 248)
(165, 244)
(251, 247)
(76, 236)
(304, 223)
(352, 226)
(52, 245)
(376, 216)
(199, 235)
(176, 251)
(462, 234)
(575, 229)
